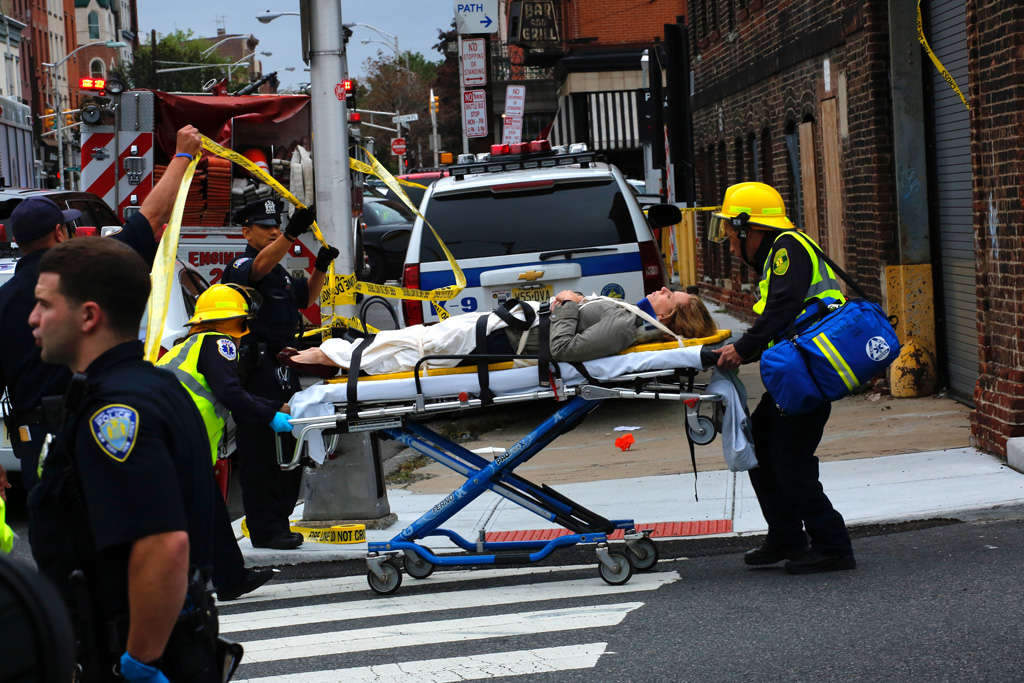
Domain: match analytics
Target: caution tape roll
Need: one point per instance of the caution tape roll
(162, 274)
(340, 534)
(935, 60)
(341, 289)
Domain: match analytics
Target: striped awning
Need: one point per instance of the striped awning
(608, 119)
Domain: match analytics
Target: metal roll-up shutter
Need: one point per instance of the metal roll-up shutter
(946, 26)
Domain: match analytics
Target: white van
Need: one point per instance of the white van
(527, 226)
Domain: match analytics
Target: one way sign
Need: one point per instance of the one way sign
(480, 16)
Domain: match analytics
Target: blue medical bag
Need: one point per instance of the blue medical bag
(830, 358)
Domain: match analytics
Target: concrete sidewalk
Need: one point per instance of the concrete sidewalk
(956, 483)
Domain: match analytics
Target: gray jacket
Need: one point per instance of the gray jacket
(593, 330)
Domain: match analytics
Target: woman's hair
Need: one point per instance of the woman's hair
(691, 320)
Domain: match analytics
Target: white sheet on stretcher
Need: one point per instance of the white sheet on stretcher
(319, 400)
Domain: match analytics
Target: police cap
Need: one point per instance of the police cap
(264, 212)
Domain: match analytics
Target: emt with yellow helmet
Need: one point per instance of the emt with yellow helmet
(753, 220)
(206, 363)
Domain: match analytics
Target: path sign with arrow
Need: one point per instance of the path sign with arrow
(480, 16)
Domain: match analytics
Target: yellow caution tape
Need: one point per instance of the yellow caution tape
(935, 60)
(691, 209)
(162, 275)
(341, 534)
(341, 289)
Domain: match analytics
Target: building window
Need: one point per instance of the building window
(765, 158)
(96, 68)
(753, 171)
(722, 180)
(94, 26)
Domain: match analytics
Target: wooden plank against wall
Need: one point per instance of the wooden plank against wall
(833, 182)
(809, 180)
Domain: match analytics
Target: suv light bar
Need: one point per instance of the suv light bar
(519, 162)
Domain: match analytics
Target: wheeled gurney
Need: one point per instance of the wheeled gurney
(392, 405)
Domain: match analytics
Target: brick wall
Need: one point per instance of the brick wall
(618, 22)
(759, 73)
(995, 62)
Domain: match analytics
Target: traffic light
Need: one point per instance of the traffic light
(436, 103)
(48, 121)
(350, 93)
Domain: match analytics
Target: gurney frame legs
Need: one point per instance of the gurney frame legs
(497, 476)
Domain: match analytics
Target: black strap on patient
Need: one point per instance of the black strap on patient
(352, 392)
(544, 345)
(482, 371)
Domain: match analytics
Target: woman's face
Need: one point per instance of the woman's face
(664, 301)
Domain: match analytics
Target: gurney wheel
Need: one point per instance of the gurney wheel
(623, 569)
(416, 566)
(643, 554)
(708, 434)
(392, 578)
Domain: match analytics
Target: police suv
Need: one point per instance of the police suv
(527, 222)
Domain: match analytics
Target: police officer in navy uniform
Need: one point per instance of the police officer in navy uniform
(268, 493)
(121, 518)
(38, 224)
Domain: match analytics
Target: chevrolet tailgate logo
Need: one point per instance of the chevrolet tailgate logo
(531, 275)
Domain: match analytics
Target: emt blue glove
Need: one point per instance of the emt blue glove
(137, 672)
(280, 423)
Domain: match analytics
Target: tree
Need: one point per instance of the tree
(392, 87)
(179, 46)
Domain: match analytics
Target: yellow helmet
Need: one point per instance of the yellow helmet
(225, 302)
(755, 204)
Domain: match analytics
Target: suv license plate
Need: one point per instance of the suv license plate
(534, 294)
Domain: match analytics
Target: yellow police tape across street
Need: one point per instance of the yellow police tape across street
(342, 534)
(692, 209)
(341, 289)
(935, 60)
(162, 275)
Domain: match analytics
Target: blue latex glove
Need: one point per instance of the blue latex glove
(137, 672)
(280, 423)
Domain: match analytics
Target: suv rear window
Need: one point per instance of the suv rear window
(563, 216)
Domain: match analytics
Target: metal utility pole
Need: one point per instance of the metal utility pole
(462, 100)
(435, 143)
(350, 487)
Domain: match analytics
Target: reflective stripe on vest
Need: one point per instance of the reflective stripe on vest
(183, 361)
(824, 285)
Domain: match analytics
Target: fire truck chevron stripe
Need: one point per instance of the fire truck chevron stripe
(104, 184)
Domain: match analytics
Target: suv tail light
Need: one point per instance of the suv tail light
(412, 310)
(651, 266)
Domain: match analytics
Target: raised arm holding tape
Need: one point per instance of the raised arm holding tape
(300, 223)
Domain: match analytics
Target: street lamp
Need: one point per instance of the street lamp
(392, 41)
(268, 16)
(58, 105)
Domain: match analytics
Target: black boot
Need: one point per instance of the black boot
(770, 553)
(814, 562)
(253, 579)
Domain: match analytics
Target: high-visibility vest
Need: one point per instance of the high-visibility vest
(183, 361)
(6, 534)
(824, 285)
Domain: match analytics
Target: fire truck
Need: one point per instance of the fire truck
(128, 143)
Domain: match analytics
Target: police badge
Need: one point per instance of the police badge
(114, 428)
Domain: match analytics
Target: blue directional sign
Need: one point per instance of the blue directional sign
(479, 16)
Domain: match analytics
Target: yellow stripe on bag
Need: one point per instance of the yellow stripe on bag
(935, 60)
(162, 275)
(837, 362)
(341, 289)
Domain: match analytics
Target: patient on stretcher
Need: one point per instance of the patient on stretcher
(581, 328)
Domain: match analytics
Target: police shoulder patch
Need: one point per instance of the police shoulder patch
(780, 264)
(238, 262)
(226, 348)
(115, 428)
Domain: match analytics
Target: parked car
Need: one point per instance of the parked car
(527, 226)
(385, 225)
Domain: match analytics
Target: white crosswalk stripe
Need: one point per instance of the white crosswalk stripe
(314, 631)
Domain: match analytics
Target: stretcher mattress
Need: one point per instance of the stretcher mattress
(319, 400)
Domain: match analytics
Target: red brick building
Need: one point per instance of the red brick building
(915, 195)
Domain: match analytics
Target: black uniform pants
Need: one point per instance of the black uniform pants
(228, 562)
(269, 494)
(786, 479)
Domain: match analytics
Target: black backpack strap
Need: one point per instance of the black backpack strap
(482, 372)
(831, 264)
(504, 311)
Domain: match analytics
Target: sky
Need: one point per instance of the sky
(414, 22)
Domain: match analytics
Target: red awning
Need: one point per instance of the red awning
(212, 115)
